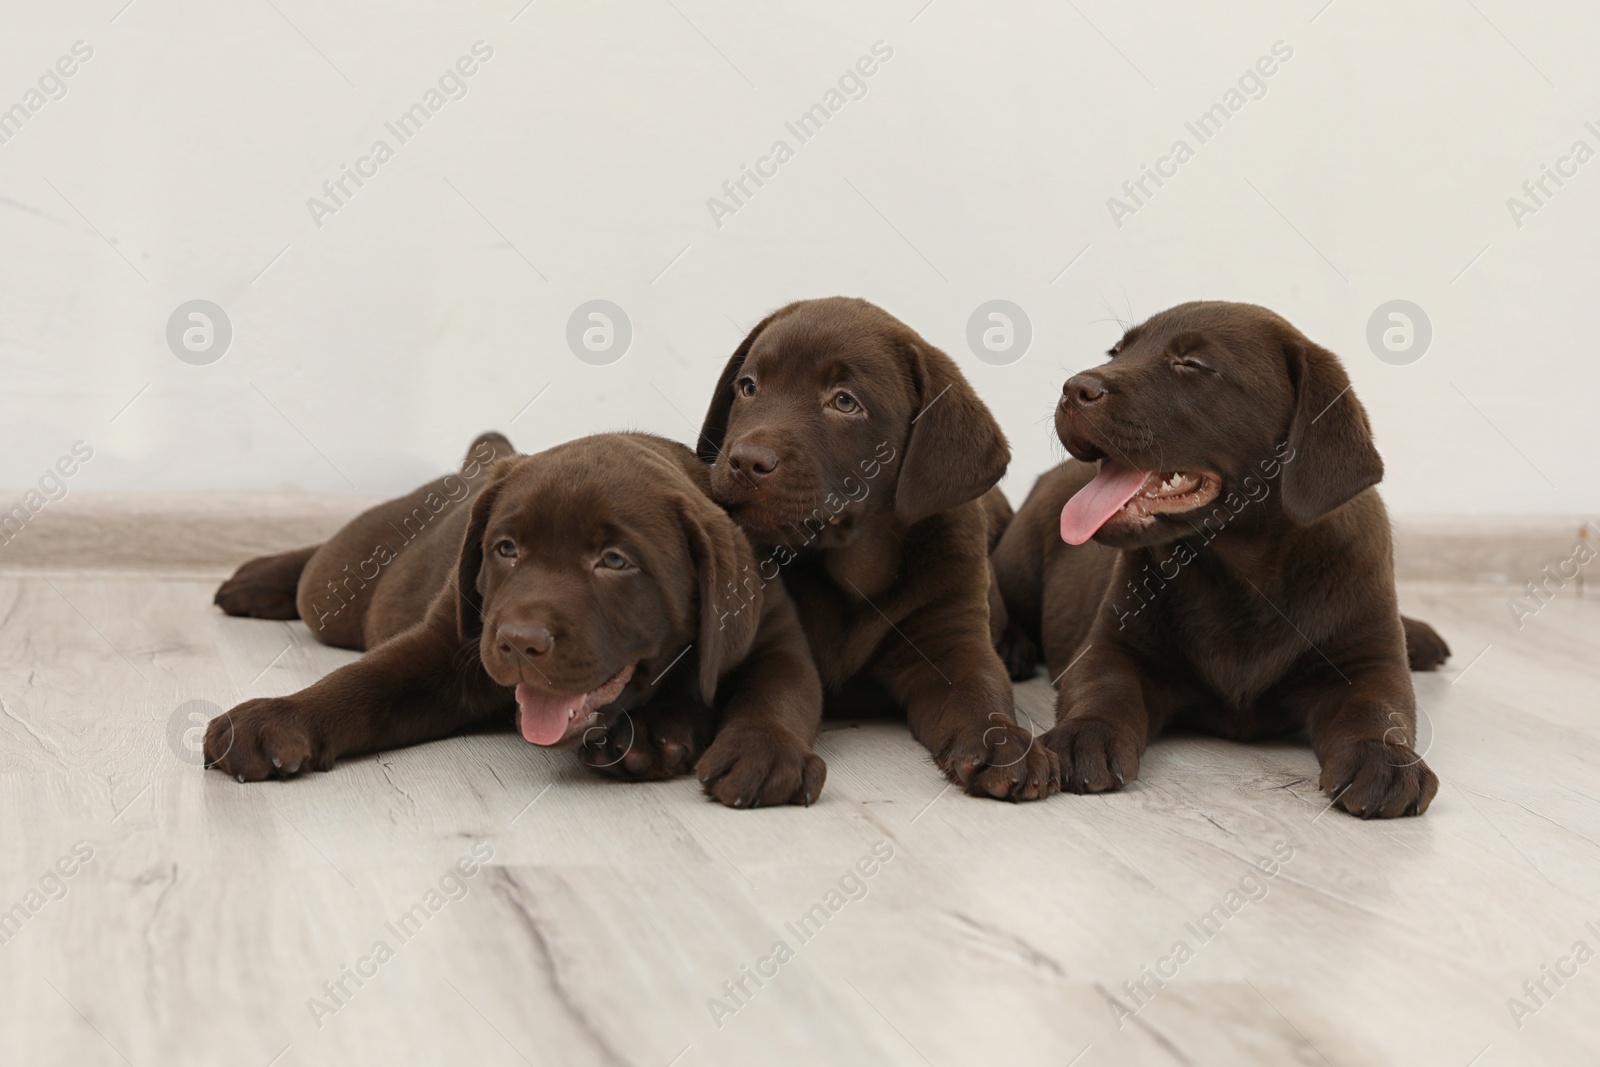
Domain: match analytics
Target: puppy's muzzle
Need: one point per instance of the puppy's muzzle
(751, 461)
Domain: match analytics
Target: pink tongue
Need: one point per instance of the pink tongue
(1096, 502)
(543, 716)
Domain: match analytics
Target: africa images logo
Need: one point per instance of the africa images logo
(338, 191)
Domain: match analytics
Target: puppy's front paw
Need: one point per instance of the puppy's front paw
(265, 738)
(260, 589)
(1018, 653)
(1095, 756)
(1377, 780)
(660, 740)
(1426, 650)
(1000, 760)
(759, 766)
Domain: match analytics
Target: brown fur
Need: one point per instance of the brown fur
(878, 514)
(1268, 610)
(445, 585)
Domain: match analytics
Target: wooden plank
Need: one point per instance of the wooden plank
(611, 915)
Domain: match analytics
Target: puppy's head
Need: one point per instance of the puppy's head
(1204, 411)
(586, 570)
(832, 412)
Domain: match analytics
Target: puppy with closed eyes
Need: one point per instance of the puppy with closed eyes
(1215, 557)
(582, 593)
(862, 465)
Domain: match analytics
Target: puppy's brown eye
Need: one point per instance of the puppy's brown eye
(506, 547)
(846, 403)
(1192, 364)
(746, 386)
(613, 560)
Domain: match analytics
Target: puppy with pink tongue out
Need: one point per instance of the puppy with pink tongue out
(593, 591)
(1214, 556)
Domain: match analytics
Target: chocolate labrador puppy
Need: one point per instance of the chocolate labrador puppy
(585, 589)
(861, 463)
(1215, 557)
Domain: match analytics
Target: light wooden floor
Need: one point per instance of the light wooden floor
(210, 913)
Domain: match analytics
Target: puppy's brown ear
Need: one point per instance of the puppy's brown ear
(955, 451)
(730, 593)
(1334, 457)
(715, 427)
(469, 562)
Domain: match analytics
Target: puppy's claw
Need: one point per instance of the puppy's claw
(1381, 781)
(1000, 761)
(265, 738)
(753, 766)
(1095, 756)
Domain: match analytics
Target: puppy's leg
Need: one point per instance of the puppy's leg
(1018, 651)
(1425, 649)
(409, 689)
(1363, 730)
(1103, 723)
(267, 588)
(762, 754)
(264, 588)
(1016, 584)
(958, 703)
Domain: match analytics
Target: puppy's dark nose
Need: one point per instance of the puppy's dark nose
(1084, 390)
(525, 639)
(754, 461)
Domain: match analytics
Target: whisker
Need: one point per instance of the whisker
(1126, 326)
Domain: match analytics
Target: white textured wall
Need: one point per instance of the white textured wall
(978, 164)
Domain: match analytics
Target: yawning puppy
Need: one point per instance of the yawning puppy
(1215, 557)
(588, 590)
(861, 463)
